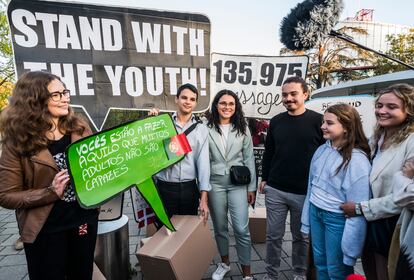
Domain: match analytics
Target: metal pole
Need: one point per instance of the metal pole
(338, 35)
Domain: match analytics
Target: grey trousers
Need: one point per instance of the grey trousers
(227, 198)
(278, 203)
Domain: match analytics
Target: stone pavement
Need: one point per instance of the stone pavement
(13, 263)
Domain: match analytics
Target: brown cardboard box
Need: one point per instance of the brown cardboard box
(185, 254)
(257, 225)
(97, 274)
(142, 241)
(151, 230)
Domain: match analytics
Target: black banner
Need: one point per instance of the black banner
(113, 57)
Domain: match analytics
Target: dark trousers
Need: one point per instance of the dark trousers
(374, 265)
(404, 270)
(178, 198)
(62, 255)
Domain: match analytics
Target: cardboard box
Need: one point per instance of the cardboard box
(185, 254)
(143, 241)
(97, 274)
(151, 230)
(257, 225)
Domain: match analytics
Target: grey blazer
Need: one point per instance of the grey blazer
(239, 151)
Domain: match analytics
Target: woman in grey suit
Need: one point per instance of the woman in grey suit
(230, 144)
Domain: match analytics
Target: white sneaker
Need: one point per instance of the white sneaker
(299, 277)
(221, 271)
(248, 278)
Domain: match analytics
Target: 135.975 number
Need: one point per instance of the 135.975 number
(242, 72)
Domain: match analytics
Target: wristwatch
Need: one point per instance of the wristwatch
(358, 210)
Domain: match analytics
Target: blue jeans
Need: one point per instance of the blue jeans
(326, 232)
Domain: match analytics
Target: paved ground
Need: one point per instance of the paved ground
(13, 263)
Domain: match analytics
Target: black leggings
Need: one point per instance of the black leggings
(178, 198)
(62, 255)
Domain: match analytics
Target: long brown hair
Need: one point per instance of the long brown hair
(237, 119)
(355, 138)
(405, 93)
(25, 122)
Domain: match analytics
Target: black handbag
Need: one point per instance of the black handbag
(240, 175)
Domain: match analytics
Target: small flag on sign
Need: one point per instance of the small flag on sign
(177, 146)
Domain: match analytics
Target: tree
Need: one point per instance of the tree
(6, 58)
(5, 91)
(336, 60)
(401, 46)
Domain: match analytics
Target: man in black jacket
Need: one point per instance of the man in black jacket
(292, 138)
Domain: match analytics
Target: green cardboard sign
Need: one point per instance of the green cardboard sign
(111, 161)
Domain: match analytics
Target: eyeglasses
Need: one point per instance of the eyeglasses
(225, 104)
(57, 95)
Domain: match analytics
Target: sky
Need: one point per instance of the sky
(252, 27)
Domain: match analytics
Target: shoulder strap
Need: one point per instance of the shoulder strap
(193, 126)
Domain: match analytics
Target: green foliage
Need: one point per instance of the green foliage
(6, 58)
(336, 60)
(5, 44)
(402, 48)
(6, 51)
(6, 89)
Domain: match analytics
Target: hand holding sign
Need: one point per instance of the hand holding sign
(109, 162)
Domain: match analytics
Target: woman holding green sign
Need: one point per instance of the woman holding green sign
(59, 236)
(232, 161)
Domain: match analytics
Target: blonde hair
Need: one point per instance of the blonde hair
(405, 93)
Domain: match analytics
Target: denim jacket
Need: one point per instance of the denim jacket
(350, 184)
